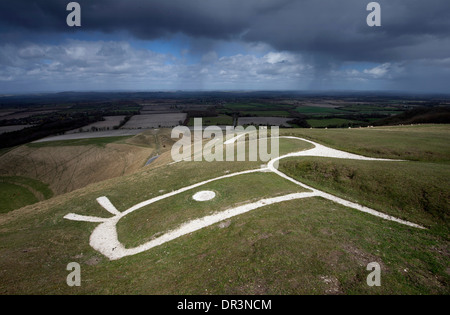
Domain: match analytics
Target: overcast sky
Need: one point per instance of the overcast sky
(224, 45)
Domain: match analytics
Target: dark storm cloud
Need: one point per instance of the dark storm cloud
(323, 27)
(294, 43)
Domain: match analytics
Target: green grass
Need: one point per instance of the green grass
(182, 208)
(266, 113)
(17, 192)
(79, 142)
(248, 106)
(289, 248)
(291, 145)
(417, 143)
(13, 197)
(408, 190)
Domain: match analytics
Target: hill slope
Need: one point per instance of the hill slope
(307, 246)
(72, 164)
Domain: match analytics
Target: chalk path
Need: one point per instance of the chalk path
(104, 238)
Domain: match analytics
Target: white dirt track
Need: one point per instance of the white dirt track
(104, 238)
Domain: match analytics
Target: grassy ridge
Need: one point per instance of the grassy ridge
(417, 143)
(415, 190)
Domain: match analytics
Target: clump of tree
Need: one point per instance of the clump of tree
(123, 122)
(299, 122)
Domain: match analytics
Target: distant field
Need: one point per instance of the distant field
(108, 124)
(153, 112)
(221, 120)
(268, 113)
(317, 110)
(26, 114)
(158, 107)
(372, 108)
(155, 121)
(247, 106)
(338, 122)
(274, 121)
(5, 129)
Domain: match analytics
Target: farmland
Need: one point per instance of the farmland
(315, 246)
(155, 121)
(109, 123)
(220, 120)
(12, 128)
(271, 121)
(50, 115)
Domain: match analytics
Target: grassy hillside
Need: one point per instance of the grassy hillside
(306, 246)
(72, 164)
(409, 190)
(17, 192)
(416, 143)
